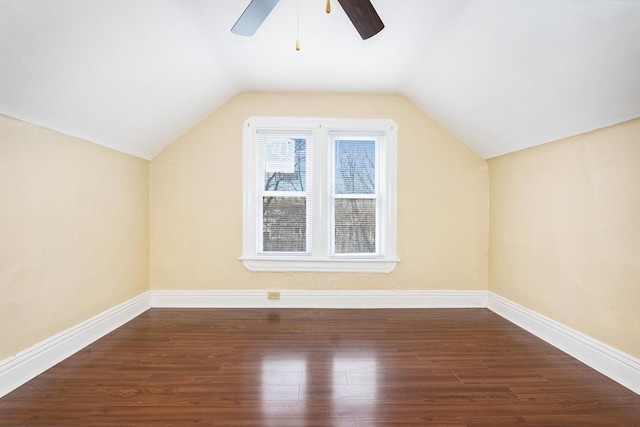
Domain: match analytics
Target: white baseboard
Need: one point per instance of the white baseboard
(320, 299)
(26, 365)
(619, 366)
(18, 369)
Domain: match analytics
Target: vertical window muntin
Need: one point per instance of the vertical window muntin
(322, 257)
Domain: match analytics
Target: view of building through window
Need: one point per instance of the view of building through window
(354, 202)
(319, 194)
(284, 217)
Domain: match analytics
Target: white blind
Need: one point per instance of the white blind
(283, 192)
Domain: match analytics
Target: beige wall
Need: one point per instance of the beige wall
(196, 201)
(565, 232)
(78, 220)
(74, 222)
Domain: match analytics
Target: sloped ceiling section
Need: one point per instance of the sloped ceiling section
(501, 75)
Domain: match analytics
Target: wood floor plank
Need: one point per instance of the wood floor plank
(410, 422)
(317, 367)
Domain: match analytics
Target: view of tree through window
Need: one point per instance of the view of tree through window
(355, 202)
(355, 167)
(284, 217)
(355, 226)
(284, 224)
(319, 194)
(294, 181)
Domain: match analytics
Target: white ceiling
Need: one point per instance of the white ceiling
(501, 75)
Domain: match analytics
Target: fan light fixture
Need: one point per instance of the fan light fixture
(362, 14)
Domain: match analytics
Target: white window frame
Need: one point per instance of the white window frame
(321, 258)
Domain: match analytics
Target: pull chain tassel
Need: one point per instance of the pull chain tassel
(297, 25)
(328, 6)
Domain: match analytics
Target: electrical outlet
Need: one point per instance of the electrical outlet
(273, 295)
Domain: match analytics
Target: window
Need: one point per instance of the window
(319, 194)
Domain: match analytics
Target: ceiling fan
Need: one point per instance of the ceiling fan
(361, 13)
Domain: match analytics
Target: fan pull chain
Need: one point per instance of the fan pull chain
(328, 6)
(297, 25)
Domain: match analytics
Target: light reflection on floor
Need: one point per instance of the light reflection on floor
(282, 378)
(290, 382)
(361, 390)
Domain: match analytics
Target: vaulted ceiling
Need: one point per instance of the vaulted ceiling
(501, 75)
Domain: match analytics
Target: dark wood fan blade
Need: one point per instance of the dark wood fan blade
(253, 16)
(363, 16)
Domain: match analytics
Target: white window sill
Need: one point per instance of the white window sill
(320, 265)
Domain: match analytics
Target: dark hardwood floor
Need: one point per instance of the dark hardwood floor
(317, 367)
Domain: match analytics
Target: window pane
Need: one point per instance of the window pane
(355, 167)
(284, 224)
(355, 226)
(278, 178)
